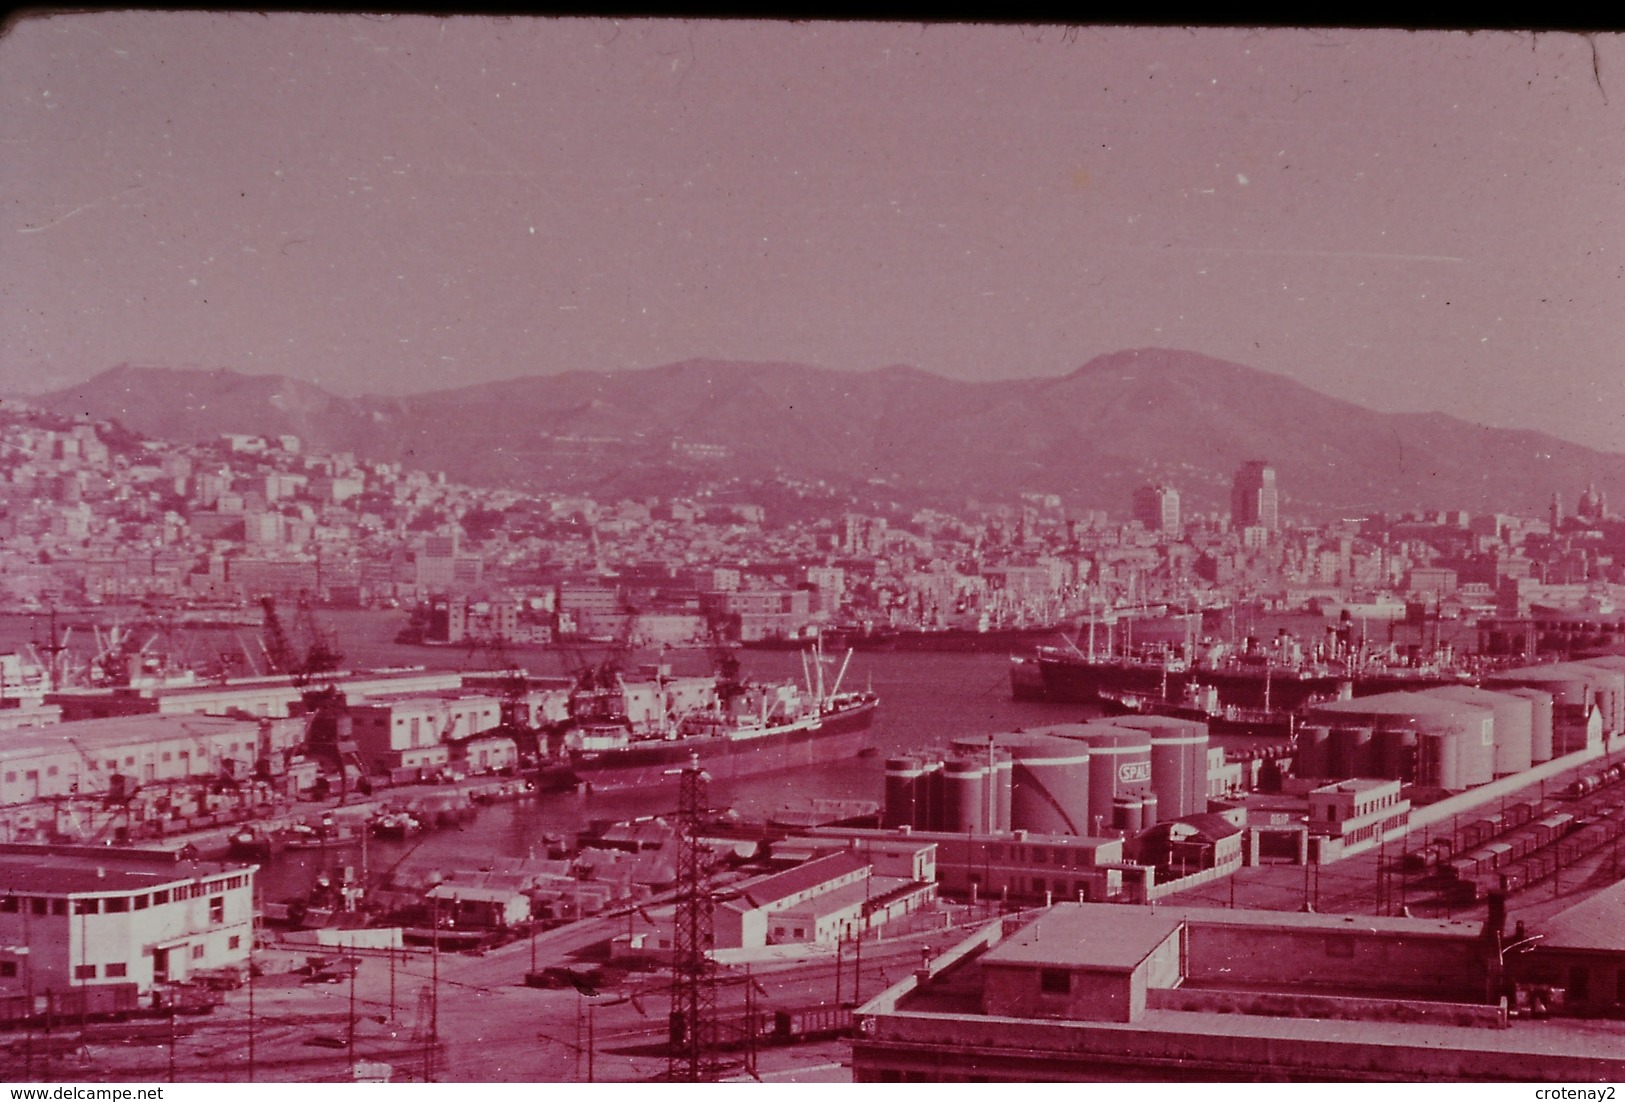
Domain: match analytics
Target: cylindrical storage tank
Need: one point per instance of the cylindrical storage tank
(931, 794)
(1393, 753)
(1478, 749)
(1609, 690)
(1312, 757)
(1349, 753)
(991, 751)
(1119, 766)
(965, 796)
(1540, 720)
(1178, 762)
(1514, 724)
(1419, 712)
(999, 780)
(1128, 814)
(904, 806)
(1569, 687)
(1438, 760)
(1049, 785)
(1150, 807)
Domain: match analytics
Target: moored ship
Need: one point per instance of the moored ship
(741, 730)
(1201, 703)
(1281, 677)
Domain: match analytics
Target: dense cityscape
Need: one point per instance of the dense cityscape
(97, 516)
(581, 550)
(1448, 728)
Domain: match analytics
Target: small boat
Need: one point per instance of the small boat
(395, 825)
(253, 844)
(302, 836)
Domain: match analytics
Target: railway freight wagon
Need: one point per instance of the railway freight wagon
(817, 1022)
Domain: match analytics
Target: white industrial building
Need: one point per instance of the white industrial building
(72, 917)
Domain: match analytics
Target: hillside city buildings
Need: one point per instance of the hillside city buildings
(90, 515)
(1093, 822)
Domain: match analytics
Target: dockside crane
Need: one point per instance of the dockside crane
(730, 685)
(313, 673)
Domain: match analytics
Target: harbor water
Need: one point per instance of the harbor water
(927, 699)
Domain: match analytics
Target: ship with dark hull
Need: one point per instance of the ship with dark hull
(1280, 677)
(1201, 703)
(839, 729)
(732, 728)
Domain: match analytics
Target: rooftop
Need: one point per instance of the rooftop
(92, 735)
(1116, 935)
(768, 889)
(27, 870)
(1403, 703)
(1099, 937)
(1597, 923)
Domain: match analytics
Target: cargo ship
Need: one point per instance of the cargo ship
(1280, 677)
(741, 731)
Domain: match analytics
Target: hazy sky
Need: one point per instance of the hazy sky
(1409, 220)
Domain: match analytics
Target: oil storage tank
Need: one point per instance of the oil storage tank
(1514, 724)
(906, 803)
(1119, 767)
(1178, 763)
(1128, 814)
(1310, 754)
(1468, 728)
(1575, 691)
(1049, 785)
(1608, 689)
(965, 805)
(1540, 720)
(990, 750)
(1438, 760)
(1349, 752)
(1393, 753)
(1569, 687)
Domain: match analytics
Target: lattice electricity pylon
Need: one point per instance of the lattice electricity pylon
(692, 1056)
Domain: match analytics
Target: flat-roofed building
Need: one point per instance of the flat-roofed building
(1091, 992)
(1019, 866)
(72, 917)
(29, 714)
(416, 730)
(273, 697)
(113, 756)
(1357, 813)
(1095, 965)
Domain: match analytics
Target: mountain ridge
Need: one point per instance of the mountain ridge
(1092, 435)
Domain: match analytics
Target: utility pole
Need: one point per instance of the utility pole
(251, 1019)
(751, 1030)
(694, 992)
(355, 966)
(857, 971)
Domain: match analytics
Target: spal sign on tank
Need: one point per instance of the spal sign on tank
(1134, 772)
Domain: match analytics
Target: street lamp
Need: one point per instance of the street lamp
(1522, 945)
